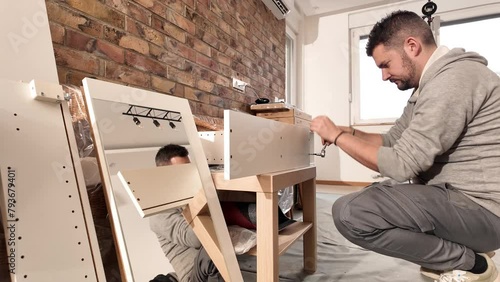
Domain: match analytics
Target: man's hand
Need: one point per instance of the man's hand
(325, 128)
(363, 147)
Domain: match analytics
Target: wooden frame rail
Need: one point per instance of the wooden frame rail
(270, 243)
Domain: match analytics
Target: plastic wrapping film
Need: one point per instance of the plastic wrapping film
(285, 200)
(80, 121)
(243, 239)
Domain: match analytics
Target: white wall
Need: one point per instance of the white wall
(327, 72)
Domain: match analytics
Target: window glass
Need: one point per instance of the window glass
(470, 36)
(379, 100)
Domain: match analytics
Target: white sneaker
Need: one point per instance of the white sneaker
(430, 273)
(490, 275)
(435, 274)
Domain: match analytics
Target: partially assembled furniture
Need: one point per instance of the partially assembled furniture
(265, 156)
(270, 243)
(260, 156)
(286, 113)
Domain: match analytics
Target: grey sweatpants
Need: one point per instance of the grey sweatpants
(204, 269)
(437, 226)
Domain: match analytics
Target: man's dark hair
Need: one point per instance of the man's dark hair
(392, 30)
(167, 152)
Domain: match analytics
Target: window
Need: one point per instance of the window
(290, 67)
(289, 52)
(469, 34)
(388, 100)
(375, 101)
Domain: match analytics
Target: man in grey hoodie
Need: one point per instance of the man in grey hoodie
(446, 145)
(176, 237)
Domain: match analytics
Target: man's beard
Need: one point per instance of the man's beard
(406, 82)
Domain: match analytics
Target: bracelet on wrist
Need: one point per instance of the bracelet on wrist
(335, 140)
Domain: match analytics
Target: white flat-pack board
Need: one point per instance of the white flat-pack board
(146, 186)
(255, 145)
(44, 205)
(213, 146)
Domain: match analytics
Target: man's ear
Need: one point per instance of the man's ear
(412, 47)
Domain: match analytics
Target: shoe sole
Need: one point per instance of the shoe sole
(434, 274)
(429, 273)
(494, 277)
(497, 279)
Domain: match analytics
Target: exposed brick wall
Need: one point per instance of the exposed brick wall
(186, 48)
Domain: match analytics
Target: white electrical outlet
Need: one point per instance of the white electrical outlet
(239, 84)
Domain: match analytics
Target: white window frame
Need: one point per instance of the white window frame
(355, 95)
(291, 73)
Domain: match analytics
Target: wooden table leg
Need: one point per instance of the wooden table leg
(309, 214)
(267, 237)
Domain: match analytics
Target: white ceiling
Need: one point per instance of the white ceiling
(318, 7)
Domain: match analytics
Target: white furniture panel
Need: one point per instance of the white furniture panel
(42, 192)
(255, 145)
(118, 131)
(147, 187)
(213, 146)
